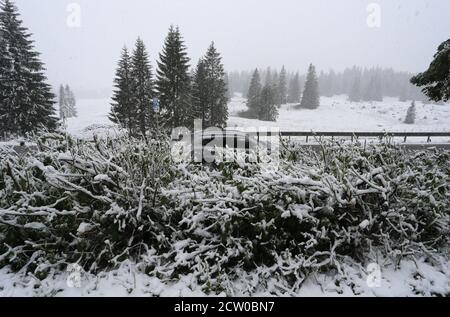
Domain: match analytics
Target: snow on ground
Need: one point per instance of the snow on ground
(412, 278)
(92, 118)
(335, 114)
(338, 114)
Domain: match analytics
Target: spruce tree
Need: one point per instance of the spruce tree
(268, 110)
(378, 93)
(5, 73)
(373, 90)
(436, 80)
(122, 108)
(216, 87)
(310, 99)
(173, 81)
(62, 104)
(294, 91)
(268, 77)
(26, 100)
(200, 96)
(355, 92)
(71, 102)
(253, 95)
(141, 89)
(282, 87)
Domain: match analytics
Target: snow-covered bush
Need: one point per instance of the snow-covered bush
(93, 203)
(98, 203)
(307, 216)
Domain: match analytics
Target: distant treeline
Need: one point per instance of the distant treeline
(368, 84)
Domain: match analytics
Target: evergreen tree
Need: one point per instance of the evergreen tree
(268, 77)
(173, 81)
(253, 95)
(62, 104)
(122, 108)
(355, 92)
(436, 80)
(282, 87)
(71, 102)
(310, 99)
(141, 89)
(216, 87)
(268, 110)
(274, 79)
(26, 100)
(202, 109)
(5, 85)
(411, 114)
(373, 91)
(294, 91)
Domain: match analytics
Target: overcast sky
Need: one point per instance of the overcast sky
(248, 33)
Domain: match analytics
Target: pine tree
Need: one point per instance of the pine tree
(5, 73)
(378, 94)
(141, 89)
(411, 114)
(71, 102)
(373, 91)
(268, 77)
(310, 99)
(294, 89)
(268, 110)
(200, 96)
(173, 81)
(355, 92)
(62, 104)
(122, 108)
(26, 100)
(253, 95)
(216, 87)
(436, 80)
(282, 87)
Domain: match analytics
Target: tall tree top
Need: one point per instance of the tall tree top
(436, 79)
(173, 58)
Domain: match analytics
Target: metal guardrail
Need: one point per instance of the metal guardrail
(352, 135)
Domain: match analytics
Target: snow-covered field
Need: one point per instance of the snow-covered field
(334, 114)
(338, 114)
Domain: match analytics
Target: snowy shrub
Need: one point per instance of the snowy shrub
(307, 216)
(99, 203)
(77, 201)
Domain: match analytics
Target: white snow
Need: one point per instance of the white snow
(413, 278)
(334, 114)
(338, 114)
(84, 227)
(363, 225)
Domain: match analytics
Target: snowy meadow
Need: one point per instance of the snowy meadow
(335, 114)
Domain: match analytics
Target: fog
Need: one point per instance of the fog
(248, 33)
